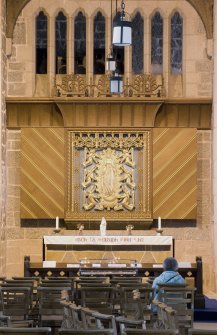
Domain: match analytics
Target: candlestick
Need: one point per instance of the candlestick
(57, 222)
(159, 232)
(159, 223)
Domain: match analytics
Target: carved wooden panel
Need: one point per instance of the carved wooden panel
(174, 173)
(174, 176)
(42, 173)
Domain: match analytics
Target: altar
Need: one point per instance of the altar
(135, 244)
(108, 240)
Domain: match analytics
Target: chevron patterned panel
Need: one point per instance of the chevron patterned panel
(42, 173)
(174, 173)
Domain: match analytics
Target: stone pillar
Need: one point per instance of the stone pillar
(166, 54)
(71, 46)
(51, 52)
(214, 143)
(2, 136)
(89, 46)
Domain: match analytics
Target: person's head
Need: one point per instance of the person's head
(170, 264)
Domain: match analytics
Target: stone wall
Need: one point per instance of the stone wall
(17, 66)
(2, 135)
(214, 144)
(20, 241)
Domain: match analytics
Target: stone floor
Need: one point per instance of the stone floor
(205, 325)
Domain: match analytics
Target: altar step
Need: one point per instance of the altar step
(205, 315)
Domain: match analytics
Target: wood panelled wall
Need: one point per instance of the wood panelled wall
(174, 125)
(174, 173)
(42, 173)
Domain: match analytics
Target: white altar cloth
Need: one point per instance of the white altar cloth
(107, 240)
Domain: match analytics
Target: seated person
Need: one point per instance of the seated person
(169, 276)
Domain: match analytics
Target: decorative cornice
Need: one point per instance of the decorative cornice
(113, 99)
(109, 113)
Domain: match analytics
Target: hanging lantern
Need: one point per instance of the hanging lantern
(116, 84)
(110, 60)
(110, 63)
(122, 29)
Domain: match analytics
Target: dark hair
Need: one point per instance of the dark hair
(170, 264)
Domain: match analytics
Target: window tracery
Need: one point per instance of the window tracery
(41, 43)
(176, 43)
(61, 43)
(99, 44)
(157, 43)
(80, 44)
(99, 41)
(138, 44)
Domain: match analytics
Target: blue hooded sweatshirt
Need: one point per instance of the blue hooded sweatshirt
(167, 277)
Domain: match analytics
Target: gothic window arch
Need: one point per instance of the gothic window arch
(176, 44)
(61, 42)
(80, 44)
(138, 44)
(157, 43)
(41, 43)
(99, 44)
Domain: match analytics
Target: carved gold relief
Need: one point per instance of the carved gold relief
(112, 139)
(109, 174)
(144, 85)
(108, 180)
(147, 85)
(71, 85)
(102, 86)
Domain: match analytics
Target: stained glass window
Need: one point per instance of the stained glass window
(80, 44)
(99, 44)
(137, 44)
(176, 43)
(41, 43)
(157, 43)
(61, 42)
